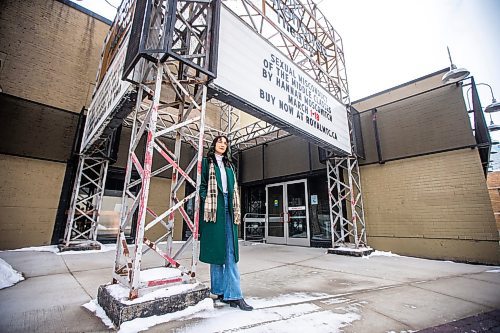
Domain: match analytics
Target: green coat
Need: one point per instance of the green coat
(213, 235)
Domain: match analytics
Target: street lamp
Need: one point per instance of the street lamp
(454, 74)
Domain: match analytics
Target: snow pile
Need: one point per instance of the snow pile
(381, 254)
(8, 276)
(351, 249)
(121, 293)
(48, 248)
(142, 324)
(493, 271)
(94, 307)
(55, 249)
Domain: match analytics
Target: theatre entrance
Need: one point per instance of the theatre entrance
(287, 213)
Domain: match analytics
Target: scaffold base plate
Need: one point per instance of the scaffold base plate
(347, 251)
(84, 246)
(122, 310)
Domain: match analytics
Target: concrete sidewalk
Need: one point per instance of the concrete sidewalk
(292, 288)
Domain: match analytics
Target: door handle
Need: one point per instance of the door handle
(288, 219)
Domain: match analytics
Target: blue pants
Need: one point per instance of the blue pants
(225, 279)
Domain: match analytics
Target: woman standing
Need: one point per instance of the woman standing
(219, 226)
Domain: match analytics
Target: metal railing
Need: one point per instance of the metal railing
(254, 227)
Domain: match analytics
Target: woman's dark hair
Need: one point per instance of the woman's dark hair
(226, 157)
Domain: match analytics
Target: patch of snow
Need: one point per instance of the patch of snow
(352, 306)
(159, 273)
(142, 324)
(94, 307)
(173, 242)
(8, 275)
(493, 271)
(55, 249)
(47, 248)
(381, 254)
(121, 293)
(335, 301)
(231, 319)
(259, 303)
(318, 322)
(348, 249)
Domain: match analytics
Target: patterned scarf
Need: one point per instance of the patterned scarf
(210, 213)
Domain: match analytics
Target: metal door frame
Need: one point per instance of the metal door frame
(285, 240)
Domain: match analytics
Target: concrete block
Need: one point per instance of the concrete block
(83, 246)
(346, 251)
(119, 311)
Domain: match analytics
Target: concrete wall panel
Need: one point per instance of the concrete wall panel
(29, 197)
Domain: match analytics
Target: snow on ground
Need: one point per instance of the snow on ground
(317, 322)
(350, 249)
(48, 248)
(8, 276)
(121, 293)
(55, 249)
(94, 307)
(381, 254)
(142, 324)
(285, 313)
(285, 318)
(258, 303)
(493, 271)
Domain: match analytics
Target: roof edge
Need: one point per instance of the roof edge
(402, 85)
(86, 11)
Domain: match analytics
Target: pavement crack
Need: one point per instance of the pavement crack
(74, 277)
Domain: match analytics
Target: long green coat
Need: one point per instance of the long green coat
(213, 235)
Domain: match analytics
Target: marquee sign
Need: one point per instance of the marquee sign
(109, 90)
(106, 98)
(264, 82)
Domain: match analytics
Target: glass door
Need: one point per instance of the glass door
(297, 213)
(287, 213)
(275, 226)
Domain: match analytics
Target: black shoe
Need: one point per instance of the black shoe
(221, 298)
(241, 304)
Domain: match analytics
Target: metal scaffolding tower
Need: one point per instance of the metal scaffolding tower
(167, 66)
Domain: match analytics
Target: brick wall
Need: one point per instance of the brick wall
(434, 206)
(52, 52)
(494, 191)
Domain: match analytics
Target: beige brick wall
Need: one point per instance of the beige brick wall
(428, 200)
(52, 52)
(29, 197)
(494, 191)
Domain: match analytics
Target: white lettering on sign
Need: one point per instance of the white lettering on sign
(259, 75)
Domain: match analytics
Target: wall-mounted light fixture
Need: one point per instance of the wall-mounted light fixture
(493, 107)
(454, 74)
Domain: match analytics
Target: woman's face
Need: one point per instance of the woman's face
(221, 145)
